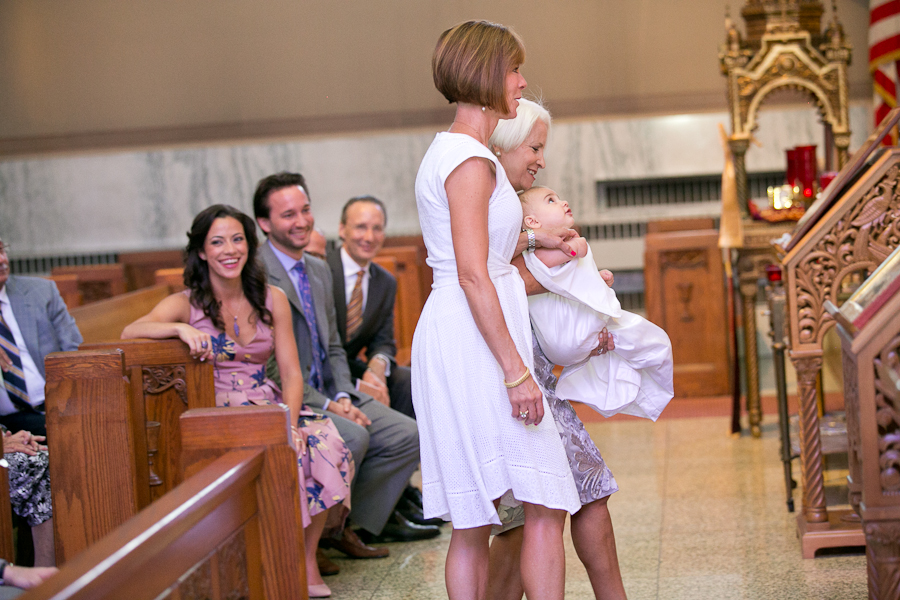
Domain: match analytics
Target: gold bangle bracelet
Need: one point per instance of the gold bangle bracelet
(518, 381)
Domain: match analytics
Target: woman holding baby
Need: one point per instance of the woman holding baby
(519, 144)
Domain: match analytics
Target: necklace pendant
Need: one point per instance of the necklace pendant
(237, 330)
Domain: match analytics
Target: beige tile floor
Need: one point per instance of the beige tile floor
(699, 514)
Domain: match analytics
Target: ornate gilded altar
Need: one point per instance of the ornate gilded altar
(869, 326)
(785, 48)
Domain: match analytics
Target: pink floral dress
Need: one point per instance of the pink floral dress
(240, 379)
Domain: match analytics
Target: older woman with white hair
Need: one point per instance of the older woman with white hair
(519, 144)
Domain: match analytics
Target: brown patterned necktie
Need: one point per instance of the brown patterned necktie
(354, 307)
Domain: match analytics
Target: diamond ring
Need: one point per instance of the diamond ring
(523, 414)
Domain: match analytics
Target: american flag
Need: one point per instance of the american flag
(884, 53)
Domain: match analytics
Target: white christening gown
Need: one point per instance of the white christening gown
(635, 378)
(472, 448)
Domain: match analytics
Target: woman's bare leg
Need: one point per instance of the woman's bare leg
(595, 543)
(466, 570)
(44, 551)
(543, 557)
(311, 535)
(505, 579)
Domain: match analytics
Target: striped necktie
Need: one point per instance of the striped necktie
(354, 307)
(316, 379)
(14, 378)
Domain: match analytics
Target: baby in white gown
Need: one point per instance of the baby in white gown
(636, 377)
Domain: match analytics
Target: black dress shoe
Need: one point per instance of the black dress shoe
(414, 495)
(414, 513)
(400, 529)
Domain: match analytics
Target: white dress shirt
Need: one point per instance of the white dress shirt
(34, 381)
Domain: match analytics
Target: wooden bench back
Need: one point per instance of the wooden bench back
(107, 463)
(96, 282)
(231, 530)
(403, 262)
(68, 289)
(140, 267)
(103, 321)
(170, 382)
(172, 277)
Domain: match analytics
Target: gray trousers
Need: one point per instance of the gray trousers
(386, 455)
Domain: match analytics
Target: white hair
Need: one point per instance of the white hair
(511, 133)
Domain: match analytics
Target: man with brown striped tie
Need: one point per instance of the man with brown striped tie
(364, 295)
(33, 323)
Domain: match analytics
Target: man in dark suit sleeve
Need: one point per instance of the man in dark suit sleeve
(362, 231)
(35, 316)
(384, 443)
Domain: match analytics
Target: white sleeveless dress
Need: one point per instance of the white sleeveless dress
(472, 449)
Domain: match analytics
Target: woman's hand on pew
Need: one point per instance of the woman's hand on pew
(23, 441)
(200, 343)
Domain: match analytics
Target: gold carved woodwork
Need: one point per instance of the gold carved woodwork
(858, 242)
(159, 379)
(790, 52)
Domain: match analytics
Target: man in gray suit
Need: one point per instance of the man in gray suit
(384, 443)
(33, 323)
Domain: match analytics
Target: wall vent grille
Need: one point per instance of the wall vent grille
(631, 193)
(43, 265)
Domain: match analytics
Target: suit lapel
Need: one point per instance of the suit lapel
(22, 308)
(318, 289)
(340, 296)
(373, 298)
(278, 276)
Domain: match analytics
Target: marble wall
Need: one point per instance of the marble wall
(138, 200)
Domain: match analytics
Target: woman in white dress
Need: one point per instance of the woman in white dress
(480, 413)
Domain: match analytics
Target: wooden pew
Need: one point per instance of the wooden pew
(99, 401)
(104, 320)
(172, 277)
(405, 262)
(140, 267)
(68, 289)
(231, 530)
(96, 282)
(169, 382)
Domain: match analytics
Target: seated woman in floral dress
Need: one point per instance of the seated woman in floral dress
(229, 314)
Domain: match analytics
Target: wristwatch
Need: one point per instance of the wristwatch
(3, 565)
(532, 242)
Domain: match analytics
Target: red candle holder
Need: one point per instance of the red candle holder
(807, 170)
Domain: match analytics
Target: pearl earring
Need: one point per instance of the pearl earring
(483, 108)
(497, 153)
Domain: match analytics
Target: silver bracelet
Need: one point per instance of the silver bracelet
(532, 241)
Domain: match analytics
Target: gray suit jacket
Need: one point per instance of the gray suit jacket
(336, 376)
(43, 319)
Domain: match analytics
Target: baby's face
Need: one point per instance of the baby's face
(545, 207)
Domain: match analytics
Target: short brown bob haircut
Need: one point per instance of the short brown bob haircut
(471, 61)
